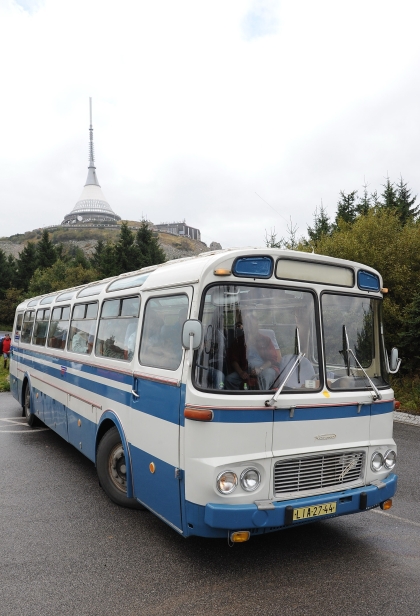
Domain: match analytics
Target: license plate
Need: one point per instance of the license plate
(313, 512)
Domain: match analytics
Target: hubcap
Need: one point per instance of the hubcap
(117, 468)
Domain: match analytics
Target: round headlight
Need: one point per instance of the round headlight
(390, 459)
(226, 482)
(377, 461)
(250, 479)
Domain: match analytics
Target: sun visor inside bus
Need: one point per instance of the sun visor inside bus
(367, 281)
(253, 267)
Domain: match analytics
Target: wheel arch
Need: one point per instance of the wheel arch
(107, 421)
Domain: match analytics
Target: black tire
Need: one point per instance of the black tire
(31, 419)
(111, 469)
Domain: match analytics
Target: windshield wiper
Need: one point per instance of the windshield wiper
(347, 351)
(297, 361)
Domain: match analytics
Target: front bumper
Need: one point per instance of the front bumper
(216, 520)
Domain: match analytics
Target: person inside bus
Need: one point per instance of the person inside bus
(79, 343)
(253, 358)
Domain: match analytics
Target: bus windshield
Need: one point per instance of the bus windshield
(351, 340)
(252, 338)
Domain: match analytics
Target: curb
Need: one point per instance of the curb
(406, 418)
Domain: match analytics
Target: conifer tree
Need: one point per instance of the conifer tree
(46, 253)
(125, 253)
(364, 204)
(26, 265)
(322, 225)
(389, 196)
(405, 203)
(148, 251)
(346, 207)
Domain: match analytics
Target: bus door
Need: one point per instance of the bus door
(157, 402)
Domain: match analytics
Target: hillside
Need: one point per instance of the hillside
(174, 246)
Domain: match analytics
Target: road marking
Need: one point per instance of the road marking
(396, 517)
(18, 421)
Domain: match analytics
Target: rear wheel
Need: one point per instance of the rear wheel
(30, 417)
(112, 470)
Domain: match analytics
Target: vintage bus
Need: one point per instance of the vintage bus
(232, 394)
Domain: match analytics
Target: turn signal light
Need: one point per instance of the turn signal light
(240, 536)
(222, 272)
(386, 504)
(397, 405)
(198, 414)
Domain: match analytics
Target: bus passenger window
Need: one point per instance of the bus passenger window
(82, 328)
(19, 320)
(117, 329)
(41, 326)
(59, 327)
(28, 322)
(161, 345)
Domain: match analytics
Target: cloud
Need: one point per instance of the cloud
(261, 19)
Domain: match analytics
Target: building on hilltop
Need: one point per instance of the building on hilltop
(92, 208)
(179, 228)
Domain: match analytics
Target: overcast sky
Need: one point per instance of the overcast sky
(234, 115)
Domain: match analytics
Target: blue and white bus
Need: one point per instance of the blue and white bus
(232, 394)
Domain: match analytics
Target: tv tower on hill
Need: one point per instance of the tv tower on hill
(92, 208)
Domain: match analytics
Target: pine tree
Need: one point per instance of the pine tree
(26, 265)
(365, 203)
(148, 251)
(346, 207)
(46, 253)
(125, 253)
(406, 209)
(389, 196)
(322, 225)
(107, 262)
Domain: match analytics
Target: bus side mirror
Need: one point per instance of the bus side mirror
(394, 361)
(192, 335)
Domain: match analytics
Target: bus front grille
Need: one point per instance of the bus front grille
(318, 472)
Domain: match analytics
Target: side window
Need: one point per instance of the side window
(59, 327)
(41, 326)
(28, 323)
(19, 320)
(118, 328)
(82, 328)
(161, 345)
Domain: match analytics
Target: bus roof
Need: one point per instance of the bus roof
(189, 270)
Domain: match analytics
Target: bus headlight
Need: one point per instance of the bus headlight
(390, 459)
(250, 479)
(226, 482)
(377, 461)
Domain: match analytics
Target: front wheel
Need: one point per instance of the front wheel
(30, 417)
(112, 470)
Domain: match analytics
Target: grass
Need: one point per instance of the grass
(4, 377)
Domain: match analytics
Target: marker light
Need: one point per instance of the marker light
(240, 536)
(222, 272)
(198, 414)
(226, 482)
(386, 504)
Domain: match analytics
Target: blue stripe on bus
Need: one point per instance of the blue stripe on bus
(157, 399)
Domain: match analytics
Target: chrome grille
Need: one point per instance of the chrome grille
(318, 472)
